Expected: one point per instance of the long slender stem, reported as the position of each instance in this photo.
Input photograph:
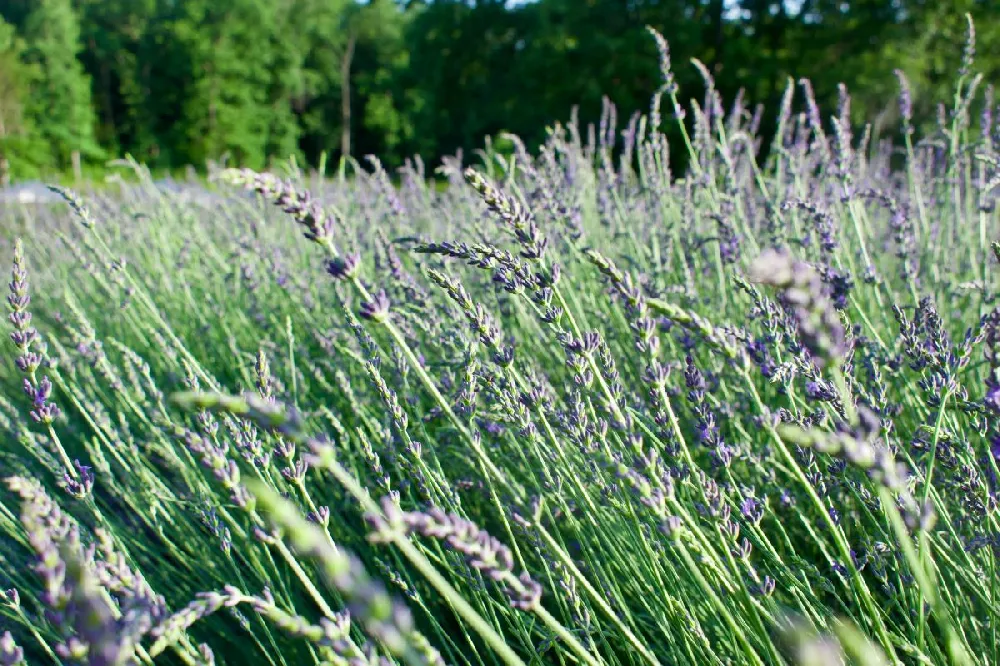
(421, 563)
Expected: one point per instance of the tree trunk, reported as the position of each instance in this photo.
(717, 10)
(345, 98)
(107, 95)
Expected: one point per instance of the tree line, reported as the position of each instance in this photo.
(179, 82)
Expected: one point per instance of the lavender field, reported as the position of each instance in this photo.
(574, 408)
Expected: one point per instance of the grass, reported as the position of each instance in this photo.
(571, 409)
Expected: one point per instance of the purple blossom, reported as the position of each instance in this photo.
(24, 337)
(83, 483)
(752, 509)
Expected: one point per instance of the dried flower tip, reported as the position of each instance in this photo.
(905, 100)
(969, 52)
(666, 71)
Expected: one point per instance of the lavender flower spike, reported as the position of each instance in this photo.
(300, 204)
(905, 101)
(481, 551)
(24, 338)
(89, 612)
(802, 291)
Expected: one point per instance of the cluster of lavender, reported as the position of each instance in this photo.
(101, 608)
(860, 446)
(680, 403)
(481, 551)
(77, 478)
(803, 293)
(11, 654)
(512, 213)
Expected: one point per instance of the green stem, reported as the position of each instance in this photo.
(843, 547)
(423, 565)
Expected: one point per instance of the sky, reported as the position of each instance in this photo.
(792, 5)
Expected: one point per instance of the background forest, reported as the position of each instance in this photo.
(178, 82)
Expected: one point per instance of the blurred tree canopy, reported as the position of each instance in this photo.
(179, 82)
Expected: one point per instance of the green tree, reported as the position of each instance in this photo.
(322, 38)
(585, 50)
(356, 96)
(15, 12)
(932, 48)
(21, 153)
(178, 82)
(465, 58)
(59, 104)
(385, 104)
(217, 81)
(111, 32)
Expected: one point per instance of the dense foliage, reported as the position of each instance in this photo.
(570, 409)
(178, 82)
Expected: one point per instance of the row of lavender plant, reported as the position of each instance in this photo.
(573, 408)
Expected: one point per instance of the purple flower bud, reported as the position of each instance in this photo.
(671, 526)
(12, 597)
(752, 509)
(23, 338)
(378, 308)
(766, 587)
(82, 484)
(344, 268)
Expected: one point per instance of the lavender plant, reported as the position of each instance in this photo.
(613, 414)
